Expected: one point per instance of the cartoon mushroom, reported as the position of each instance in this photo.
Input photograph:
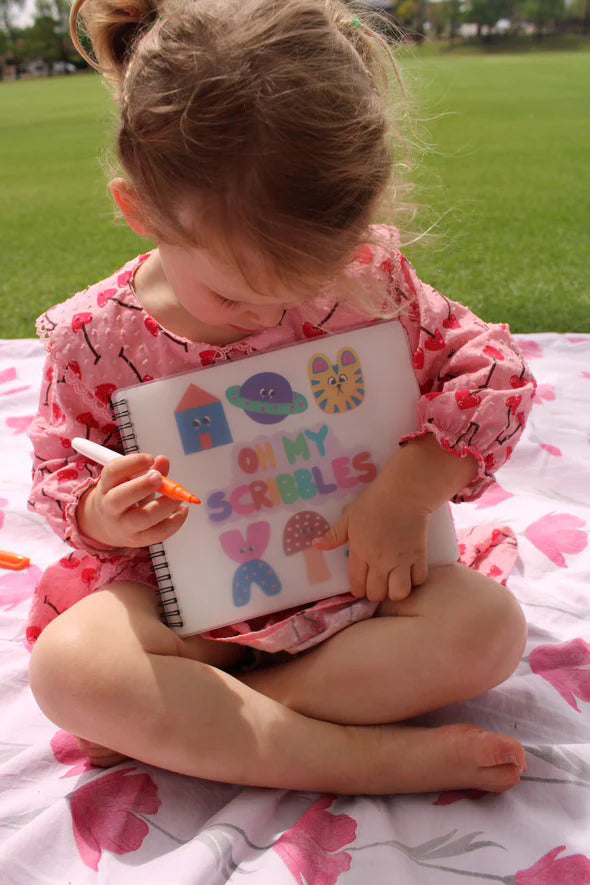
(300, 531)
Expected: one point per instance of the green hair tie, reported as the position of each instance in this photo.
(154, 22)
(356, 22)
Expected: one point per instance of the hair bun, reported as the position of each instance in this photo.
(112, 31)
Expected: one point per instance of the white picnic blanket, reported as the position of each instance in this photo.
(62, 822)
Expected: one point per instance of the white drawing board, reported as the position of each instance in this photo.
(275, 445)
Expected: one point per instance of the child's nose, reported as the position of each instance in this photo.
(265, 316)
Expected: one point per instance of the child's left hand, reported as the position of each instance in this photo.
(386, 525)
(386, 530)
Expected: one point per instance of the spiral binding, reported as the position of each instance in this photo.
(123, 421)
(168, 602)
(169, 608)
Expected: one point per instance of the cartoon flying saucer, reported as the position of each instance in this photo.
(266, 398)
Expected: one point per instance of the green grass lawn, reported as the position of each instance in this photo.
(511, 135)
(511, 165)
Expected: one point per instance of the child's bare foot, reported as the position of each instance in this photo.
(102, 757)
(451, 757)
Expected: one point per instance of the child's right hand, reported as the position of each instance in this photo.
(121, 510)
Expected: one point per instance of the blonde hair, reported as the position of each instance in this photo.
(271, 119)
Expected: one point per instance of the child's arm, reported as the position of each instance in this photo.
(475, 394)
(476, 388)
(60, 474)
(70, 491)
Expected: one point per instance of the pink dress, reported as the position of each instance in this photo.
(476, 392)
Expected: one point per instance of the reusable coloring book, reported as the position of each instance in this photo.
(275, 445)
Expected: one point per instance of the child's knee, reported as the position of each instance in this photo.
(75, 664)
(59, 667)
(494, 633)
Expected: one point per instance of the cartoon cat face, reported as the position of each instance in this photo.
(337, 387)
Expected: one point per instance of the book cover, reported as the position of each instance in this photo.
(276, 445)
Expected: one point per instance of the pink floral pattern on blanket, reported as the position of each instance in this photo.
(15, 587)
(19, 424)
(574, 869)
(556, 534)
(7, 376)
(106, 814)
(311, 849)
(566, 667)
(66, 750)
(552, 450)
(545, 393)
(530, 349)
(492, 496)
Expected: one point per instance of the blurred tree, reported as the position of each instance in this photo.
(405, 12)
(580, 10)
(488, 12)
(48, 37)
(438, 18)
(543, 13)
(10, 33)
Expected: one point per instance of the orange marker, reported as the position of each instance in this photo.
(13, 561)
(177, 492)
(103, 456)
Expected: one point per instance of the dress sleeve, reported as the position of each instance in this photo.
(475, 388)
(60, 474)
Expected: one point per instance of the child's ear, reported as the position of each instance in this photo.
(128, 202)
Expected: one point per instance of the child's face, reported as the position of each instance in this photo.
(212, 292)
(216, 294)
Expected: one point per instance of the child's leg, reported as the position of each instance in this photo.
(108, 670)
(453, 638)
(225, 656)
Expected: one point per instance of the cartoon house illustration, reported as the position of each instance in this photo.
(201, 421)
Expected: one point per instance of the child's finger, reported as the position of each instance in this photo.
(141, 519)
(419, 571)
(377, 585)
(399, 583)
(122, 469)
(334, 537)
(164, 529)
(127, 494)
(357, 575)
(162, 464)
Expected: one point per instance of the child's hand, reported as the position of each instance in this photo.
(386, 525)
(121, 510)
(386, 532)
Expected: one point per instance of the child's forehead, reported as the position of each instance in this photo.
(252, 280)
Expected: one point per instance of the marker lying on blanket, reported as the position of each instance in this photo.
(13, 561)
(104, 456)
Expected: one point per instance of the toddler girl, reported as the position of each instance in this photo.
(256, 148)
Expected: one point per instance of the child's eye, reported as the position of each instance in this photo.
(226, 302)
